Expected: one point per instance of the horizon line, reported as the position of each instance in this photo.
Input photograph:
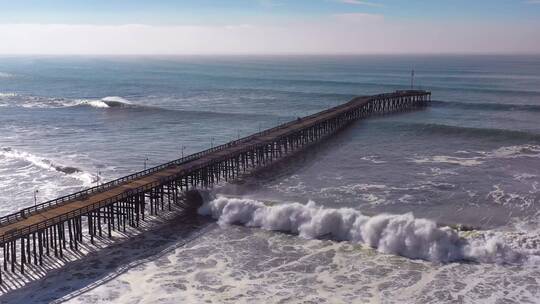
(495, 53)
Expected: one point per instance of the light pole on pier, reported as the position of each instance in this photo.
(412, 79)
(145, 160)
(35, 197)
(98, 177)
(212, 143)
(183, 148)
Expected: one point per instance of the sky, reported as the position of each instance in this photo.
(269, 26)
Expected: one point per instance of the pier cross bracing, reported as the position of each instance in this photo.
(58, 225)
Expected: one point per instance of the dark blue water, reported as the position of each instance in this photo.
(472, 157)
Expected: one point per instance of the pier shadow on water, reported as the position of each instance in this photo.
(58, 281)
(61, 279)
(289, 165)
(302, 159)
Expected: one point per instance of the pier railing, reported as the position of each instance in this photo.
(23, 213)
(57, 225)
(102, 187)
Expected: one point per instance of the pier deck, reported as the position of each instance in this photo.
(124, 201)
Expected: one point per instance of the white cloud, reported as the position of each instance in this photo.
(346, 33)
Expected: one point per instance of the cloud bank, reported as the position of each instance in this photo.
(339, 34)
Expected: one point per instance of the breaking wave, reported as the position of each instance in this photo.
(25, 101)
(487, 106)
(479, 157)
(402, 235)
(47, 164)
(7, 94)
(106, 102)
(437, 129)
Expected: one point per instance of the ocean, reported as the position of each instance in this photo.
(471, 159)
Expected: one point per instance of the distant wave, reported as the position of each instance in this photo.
(106, 102)
(28, 101)
(475, 158)
(266, 93)
(109, 102)
(7, 94)
(488, 106)
(48, 164)
(5, 75)
(472, 132)
(402, 235)
(462, 161)
(377, 85)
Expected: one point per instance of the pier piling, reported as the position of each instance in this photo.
(57, 226)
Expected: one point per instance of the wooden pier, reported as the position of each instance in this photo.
(58, 225)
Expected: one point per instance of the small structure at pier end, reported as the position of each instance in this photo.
(58, 225)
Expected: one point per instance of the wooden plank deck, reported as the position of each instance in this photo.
(156, 177)
(64, 210)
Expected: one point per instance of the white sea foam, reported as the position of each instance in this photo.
(362, 191)
(25, 101)
(524, 176)
(7, 94)
(33, 159)
(402, 235)
(106, 102)
(5, 75)
(89, 102)
(355, 188)
(86, 178)
(116, 99)
(515, 151)
(373, 159)
(499, 196)
(438, 171)
(507, 152)
(462, 161)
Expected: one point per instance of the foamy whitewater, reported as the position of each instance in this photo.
(106, 102)
(8, 154)
(439, 205)
(29, 101)
(394, 234)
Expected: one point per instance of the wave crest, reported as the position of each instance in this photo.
(106, 102)
(47, 164)
(472, 132)
(487, 106)
(479, 157)
(7, 94)
(25, 101)
(402, 235)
